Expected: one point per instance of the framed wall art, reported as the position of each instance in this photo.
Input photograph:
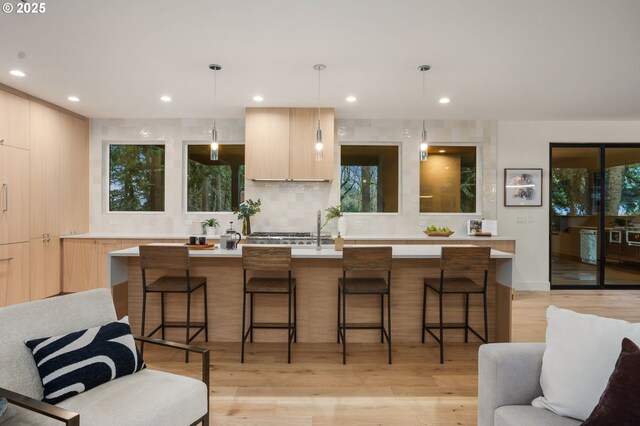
(523, 187)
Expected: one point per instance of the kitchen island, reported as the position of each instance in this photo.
(316, 273)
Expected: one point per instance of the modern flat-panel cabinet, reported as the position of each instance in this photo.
(267, 143)
(14, 195)
(46, 128)
(280, 144)
(79, 265)
(303, 164)
(45, 267)
(74, 176)
(14, 273)
(14, 120)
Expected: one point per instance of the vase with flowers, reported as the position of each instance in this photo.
(245, 211)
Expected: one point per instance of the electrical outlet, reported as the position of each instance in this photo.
(521, 219)
(422, 224)
(529, 219)
(359, 223)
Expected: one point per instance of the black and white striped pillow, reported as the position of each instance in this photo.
(79, 361)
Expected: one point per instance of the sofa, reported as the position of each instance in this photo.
(508, 380)
(148, 397)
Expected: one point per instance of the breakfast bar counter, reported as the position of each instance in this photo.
(316, 273)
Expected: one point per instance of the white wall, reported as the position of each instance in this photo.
(525, 144)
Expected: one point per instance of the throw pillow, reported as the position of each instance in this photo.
(619, 405)
(79, 361)
(579, 358)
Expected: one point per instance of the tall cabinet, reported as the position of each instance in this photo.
(14, 199)
(44, 192)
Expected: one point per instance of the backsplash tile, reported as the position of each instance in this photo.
(288, 206)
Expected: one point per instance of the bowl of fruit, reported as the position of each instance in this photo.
(435, 231)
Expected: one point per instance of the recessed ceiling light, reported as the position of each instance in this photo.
(73, 98)
(441, 151)
(165, 98)
(444, 100)
(17, 73)
(351, 99)
(258, 98)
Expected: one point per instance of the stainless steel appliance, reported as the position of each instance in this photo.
(589, 246)
(288, 238)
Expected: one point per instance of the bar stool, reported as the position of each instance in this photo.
(365, 259)
(269, 259)
(470, 265)
(174, 258)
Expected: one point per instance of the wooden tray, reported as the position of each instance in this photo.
(208, 246)
(482, 234)
(438, 234)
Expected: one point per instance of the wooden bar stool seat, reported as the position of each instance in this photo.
(364, 259)
(269, 285)
(454, 285)
(363, 286)
(169, 284)
(268, 259)
(172, 258)
(469, 267)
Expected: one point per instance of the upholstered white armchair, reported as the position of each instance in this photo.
(147, 397)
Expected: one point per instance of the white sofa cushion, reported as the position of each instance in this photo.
(580, 355)
(147, 398)
(47, 317)
(526, 415)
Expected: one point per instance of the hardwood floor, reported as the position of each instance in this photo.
(316, 389)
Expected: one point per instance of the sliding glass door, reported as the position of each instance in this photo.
(594, 215)
(622, 216)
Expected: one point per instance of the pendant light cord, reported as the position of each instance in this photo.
(319, 71)
(424, 98)
(215, 95)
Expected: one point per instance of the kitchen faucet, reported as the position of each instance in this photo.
(318, 246)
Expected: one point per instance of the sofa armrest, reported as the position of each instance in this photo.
(508, 374)
(67, 417)
(189, 348)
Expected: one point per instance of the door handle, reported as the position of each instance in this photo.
(1, 141)
(5, 186)
(6, 259)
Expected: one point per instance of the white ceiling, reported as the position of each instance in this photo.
(495, 59)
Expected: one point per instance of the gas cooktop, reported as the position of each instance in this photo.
(287, 238)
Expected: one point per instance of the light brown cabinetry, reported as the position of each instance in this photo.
(14, 120)
(303, 164)
(267, 143)
(14, 195)
(45, 267)
(74, 176)
(80, 265)
(46, 129)
(14, 273)
(280, 144)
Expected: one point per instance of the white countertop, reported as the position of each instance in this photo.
(416, 236)
(327, 252)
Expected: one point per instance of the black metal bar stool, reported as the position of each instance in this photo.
(365, 259)
(268, 259)
(172, 258)
(470, 267)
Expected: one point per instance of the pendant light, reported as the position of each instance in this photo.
(319, 144)
(423, 134)
(214, 131)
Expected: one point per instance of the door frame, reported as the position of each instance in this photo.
(601, 216)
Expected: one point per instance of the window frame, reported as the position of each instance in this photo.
(185, 173)
(479, 179)
(106, 176)
(377, 143)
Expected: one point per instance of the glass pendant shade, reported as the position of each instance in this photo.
(214, 144)
(319, 144)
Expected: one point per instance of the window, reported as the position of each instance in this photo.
(215, 186)
(448, 180)
(136, 178)
(369, 178)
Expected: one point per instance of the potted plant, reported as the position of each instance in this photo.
(210, 226)
(245, 211)
(335, 212)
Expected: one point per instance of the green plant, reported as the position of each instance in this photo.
(248, 208)
(333, 212)
(212, 222)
